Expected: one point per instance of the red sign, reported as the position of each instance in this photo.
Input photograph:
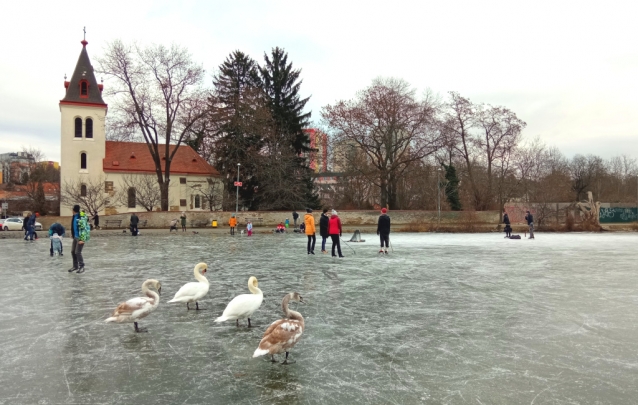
(238, 184)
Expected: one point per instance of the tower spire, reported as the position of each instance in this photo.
(84, 43)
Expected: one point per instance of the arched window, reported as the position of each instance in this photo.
(197, 201)
(78, 127)
(83, 190)
(82, 160)
(89, 128)
(131, 197)
(84, 89)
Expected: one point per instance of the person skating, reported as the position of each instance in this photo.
(530, 222)
(295, 216)
(25, 226)
(249, 228)
(31, 228)
(173, 225)
(96, 221)
(133, 224)
(309, 222)
(232, 222)
(80, 234)
(324, 220)
(335, 231)
(508, 228)
(383, 230)
(183, 221)
(56, 228)
(287, 223)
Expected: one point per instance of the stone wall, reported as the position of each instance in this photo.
(198, 219)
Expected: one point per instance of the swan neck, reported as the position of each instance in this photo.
(254, 290)
(200, 277)
(290, 314)
(151, 294)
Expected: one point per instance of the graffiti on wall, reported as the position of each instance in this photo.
(615, 215)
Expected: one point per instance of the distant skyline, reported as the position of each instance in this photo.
(567, 68)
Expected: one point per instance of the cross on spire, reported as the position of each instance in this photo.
(84, 33)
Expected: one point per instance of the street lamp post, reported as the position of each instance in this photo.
(438, 193)
(237, 197)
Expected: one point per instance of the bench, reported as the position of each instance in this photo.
(255, 221)
(199, 223)
(112, 223)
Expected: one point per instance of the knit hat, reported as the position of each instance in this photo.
(384, 210)
(308, 210)
(334, 212)
(76, 208)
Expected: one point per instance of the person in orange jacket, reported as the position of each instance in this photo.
(309, 221)
(233, 223)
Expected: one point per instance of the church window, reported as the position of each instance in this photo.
(182, 202)
(89, 128)
(83, 190)
(84, 89)
(108, 186)
(182, 180)
(131, 197)
(197, 202)
(82, 160)
(78, 127)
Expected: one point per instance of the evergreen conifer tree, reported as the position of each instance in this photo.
(281, 84)
(452, 187)
(238, 108)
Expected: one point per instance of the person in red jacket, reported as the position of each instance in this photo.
(334, 229)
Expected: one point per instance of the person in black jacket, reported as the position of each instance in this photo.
(323, 229)
(383, 230)
(295, 217)
(530, 222)
(508, 228)
(134, 221)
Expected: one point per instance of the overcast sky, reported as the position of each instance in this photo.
(568, 69)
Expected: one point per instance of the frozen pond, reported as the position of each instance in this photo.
(458, 319)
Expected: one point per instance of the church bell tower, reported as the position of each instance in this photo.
(82, 135)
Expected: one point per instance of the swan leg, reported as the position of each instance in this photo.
(249, 325)
(286, 360)
(237, 322)
(272, 358)
(187, 307)
(138, 330)
(197, 306)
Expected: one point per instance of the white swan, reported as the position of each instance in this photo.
(138, 308)
(283, 334)
(193, 292)
(243, 306)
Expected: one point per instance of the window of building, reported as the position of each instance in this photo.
(182, 180)
(78, 127)
(197, 202)
(89, 128)
(83, 190)
(182, 203)
(82, 160)
(131, 197)
(108, 186)
(84, 89)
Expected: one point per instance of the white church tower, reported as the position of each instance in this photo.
(83, 138)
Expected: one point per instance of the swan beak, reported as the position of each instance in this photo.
(159, 291)
(302, 301)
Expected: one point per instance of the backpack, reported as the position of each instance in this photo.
(84, 229)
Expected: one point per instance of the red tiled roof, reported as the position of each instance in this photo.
(135, 157)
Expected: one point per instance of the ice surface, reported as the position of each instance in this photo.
(455, 319)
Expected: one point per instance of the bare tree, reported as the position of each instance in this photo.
(157, 91)
(212, 192)
(88, 193)
(142, 188)
(391, 126)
